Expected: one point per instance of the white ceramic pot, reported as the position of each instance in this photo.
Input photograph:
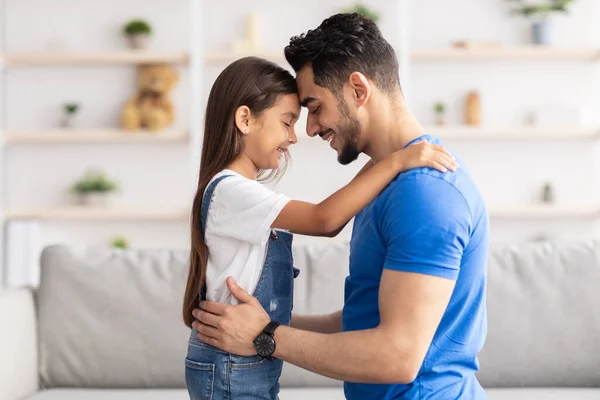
(138, 41)
(95, 199)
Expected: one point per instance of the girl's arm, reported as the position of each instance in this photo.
(330, 215)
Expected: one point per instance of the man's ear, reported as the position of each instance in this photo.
(242, 119)
(361, 88)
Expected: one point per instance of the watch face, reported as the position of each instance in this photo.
(264, 345)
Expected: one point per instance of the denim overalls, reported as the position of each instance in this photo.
(212, 374)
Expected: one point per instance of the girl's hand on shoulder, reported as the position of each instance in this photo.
(425, 154)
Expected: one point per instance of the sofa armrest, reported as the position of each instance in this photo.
(18, 345)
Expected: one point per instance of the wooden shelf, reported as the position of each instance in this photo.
(107, 214)
(543, 211)
(108, 57)
(227, 57)
(92, 136)
(513, 133)
(507, 54)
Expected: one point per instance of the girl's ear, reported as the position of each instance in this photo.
(242, 119)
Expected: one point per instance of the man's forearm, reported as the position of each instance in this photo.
(331, 323)
(367, 356)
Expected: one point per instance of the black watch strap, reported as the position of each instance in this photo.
(270, 328)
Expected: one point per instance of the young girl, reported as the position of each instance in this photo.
(251, 112)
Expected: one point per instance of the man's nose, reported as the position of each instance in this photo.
(312, 126)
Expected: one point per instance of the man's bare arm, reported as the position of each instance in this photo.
(411, 307)
(330, 323)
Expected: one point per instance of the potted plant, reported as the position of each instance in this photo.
(120, 243)
(70, 110)
(540, 12)
(364, 10)
(548, 193)
(94, 188)
(439, 109)
(138, 33)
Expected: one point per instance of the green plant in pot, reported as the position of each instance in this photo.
(364, 10)
(69, 112)
(540, 11)
(439, 109)
(137, 32)
(94, 188)
(120, 242)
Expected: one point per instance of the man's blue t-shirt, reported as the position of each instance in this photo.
(433, 223)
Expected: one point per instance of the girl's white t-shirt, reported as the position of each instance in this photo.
(237, 232)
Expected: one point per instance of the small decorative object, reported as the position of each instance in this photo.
(364, 10)
(440, 113)
(473, 109)
(138, 33)
(251, 44)
(151, 108)
(540, 29)
(94, 188)
(548, 193)
(120, 243)
(70, 110)
(475, 44)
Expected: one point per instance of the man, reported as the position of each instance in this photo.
(414, 316)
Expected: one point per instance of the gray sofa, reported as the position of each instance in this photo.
(105, 324)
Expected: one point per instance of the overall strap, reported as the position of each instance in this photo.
(206, 199)
(208, 194)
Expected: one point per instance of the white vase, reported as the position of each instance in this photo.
(95, 199)
(540, 32)
(138, 41)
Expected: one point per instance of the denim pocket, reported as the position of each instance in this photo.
(257, 380)
(240, 362)
(199, 378)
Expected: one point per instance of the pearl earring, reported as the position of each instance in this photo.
(246, 131)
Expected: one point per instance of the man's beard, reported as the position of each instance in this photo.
(350, 127)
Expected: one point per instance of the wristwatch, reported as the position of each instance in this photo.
(264, 344)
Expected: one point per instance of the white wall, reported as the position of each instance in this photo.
(513, 172)
(159, 175)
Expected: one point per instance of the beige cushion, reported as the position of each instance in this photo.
(543, 316)
(112, 318)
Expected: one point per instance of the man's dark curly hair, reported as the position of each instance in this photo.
(342, 44)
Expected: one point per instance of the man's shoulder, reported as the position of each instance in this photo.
(422, 184)
(423, 195)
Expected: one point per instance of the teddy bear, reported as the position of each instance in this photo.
(151, 108)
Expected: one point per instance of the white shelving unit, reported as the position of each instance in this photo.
(226, 57)
(94, 59)
(93, 136)
(90, 214)
(193, 59)
(514, 133)
(525, 53)
(542, 211)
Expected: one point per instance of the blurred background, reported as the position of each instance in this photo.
(101, 118)
(512, 89)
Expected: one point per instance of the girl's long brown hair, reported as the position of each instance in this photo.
(255, 83)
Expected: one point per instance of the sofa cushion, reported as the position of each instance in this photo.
(303, 394)
(108, 394)
(543, 316)
(543, 394)
(112, 319)
(180, 394)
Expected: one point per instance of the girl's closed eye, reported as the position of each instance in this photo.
(316, 110)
